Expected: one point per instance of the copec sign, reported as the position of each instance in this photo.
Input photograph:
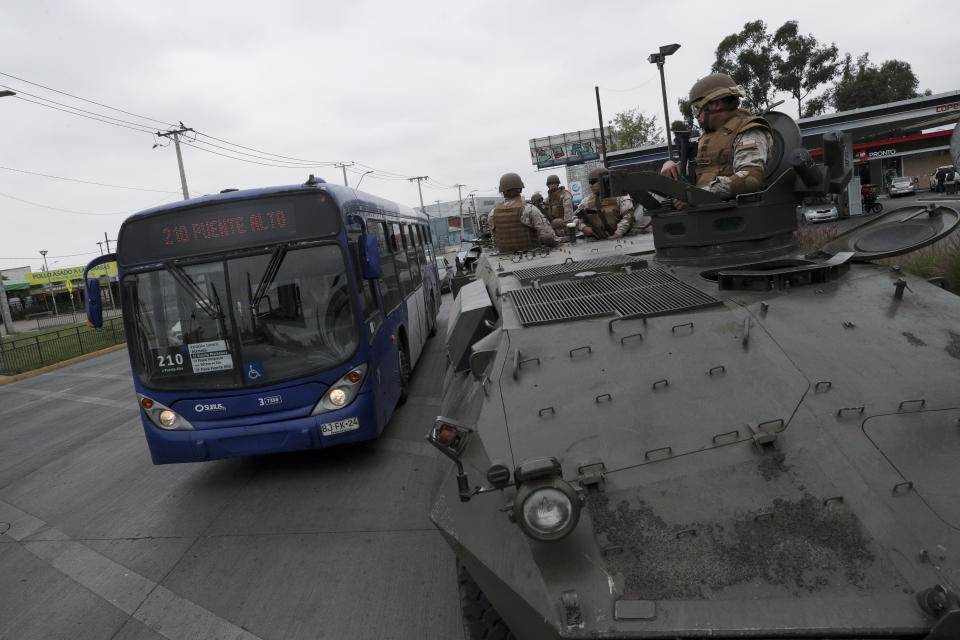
(69, 273)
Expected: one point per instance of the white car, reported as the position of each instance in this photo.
(902, 186)
(819, 209)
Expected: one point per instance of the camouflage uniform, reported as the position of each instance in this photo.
(530, 217)
(622, 209)
(727, 157)
(559, 205)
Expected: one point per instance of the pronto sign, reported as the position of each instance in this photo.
(69, 273)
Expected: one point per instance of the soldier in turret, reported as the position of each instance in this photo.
(559, 204)
(537, 200)
(612, 218)
(518, 225)
(732, 152)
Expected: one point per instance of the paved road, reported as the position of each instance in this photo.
(96, 542)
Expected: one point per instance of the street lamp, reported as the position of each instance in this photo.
(43, 252)
(658, 59)
(362, 177)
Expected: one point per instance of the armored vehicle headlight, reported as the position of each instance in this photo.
(343, 391)
(547, 511)
(163, 416)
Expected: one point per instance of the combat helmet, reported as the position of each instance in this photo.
(713, 87)
(554, 178)
(598, 173)
(510, 181)
(536, 198)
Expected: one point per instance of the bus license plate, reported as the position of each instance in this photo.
(340, 426)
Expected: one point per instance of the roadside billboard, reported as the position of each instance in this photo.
(567, 148)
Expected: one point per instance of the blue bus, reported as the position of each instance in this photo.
(271, 320)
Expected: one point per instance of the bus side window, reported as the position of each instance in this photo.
(403, 263)
(427, 246)
(371, 309)
(412, 255)
(417, 244)
(389, 281)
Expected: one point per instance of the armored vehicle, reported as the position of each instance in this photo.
(717, 436)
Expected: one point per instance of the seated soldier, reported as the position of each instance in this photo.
(517, 225)
(733, 150)
(612, 218)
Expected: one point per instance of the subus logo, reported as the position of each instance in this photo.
(200, 408)
(948, 107)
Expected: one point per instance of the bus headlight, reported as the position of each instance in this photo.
(343, 391)
(546, 507)
(162, 416)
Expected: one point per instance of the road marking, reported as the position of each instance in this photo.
(155, 606)
(50, 395)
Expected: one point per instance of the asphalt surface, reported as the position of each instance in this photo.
(98, 543)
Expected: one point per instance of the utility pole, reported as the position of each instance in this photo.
(100, 245)
(476, 216)
(420, 179)
(5, 308)
(4, 305)
(175, 134)
(344, 165)
(460, 198)
(113, 302)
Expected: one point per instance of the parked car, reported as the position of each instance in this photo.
(819, 209)
(933, 176)
(445, 274)
(902, 186)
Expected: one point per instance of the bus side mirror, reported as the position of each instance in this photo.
(370, 258)
(94, 304)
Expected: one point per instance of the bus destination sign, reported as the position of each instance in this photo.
(224, 226)
(211, 229)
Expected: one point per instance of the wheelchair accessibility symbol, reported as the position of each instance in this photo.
(253, 370)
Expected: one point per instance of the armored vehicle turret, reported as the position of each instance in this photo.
(714, 436)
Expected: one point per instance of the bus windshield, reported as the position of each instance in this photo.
(241, 321)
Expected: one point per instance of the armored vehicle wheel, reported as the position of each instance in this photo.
(480, 620)
(404, 373)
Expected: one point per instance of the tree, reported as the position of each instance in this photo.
(751, 59)
(632, 128)
(803, 65)
(864, 84)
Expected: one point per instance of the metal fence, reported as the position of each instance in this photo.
(44, 320)
(25, 354)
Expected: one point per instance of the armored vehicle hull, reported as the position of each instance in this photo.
(724, 438)
(747, 463)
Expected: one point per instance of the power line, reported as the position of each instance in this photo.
(64, 93)
(98, 184)
(82, 213)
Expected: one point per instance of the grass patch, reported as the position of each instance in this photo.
(939, 260)
(25, 352)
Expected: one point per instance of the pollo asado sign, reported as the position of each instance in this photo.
(196, 230)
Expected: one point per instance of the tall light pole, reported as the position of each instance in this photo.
(4, 304)
(658, 59)
(46, 270)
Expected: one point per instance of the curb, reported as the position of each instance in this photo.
(58, 365)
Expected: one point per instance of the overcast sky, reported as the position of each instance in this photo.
(451, 90)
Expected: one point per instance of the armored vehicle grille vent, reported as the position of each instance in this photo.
(642, 293)
(537, 273)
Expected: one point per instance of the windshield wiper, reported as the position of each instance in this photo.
(211, 308)
(269, 275)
